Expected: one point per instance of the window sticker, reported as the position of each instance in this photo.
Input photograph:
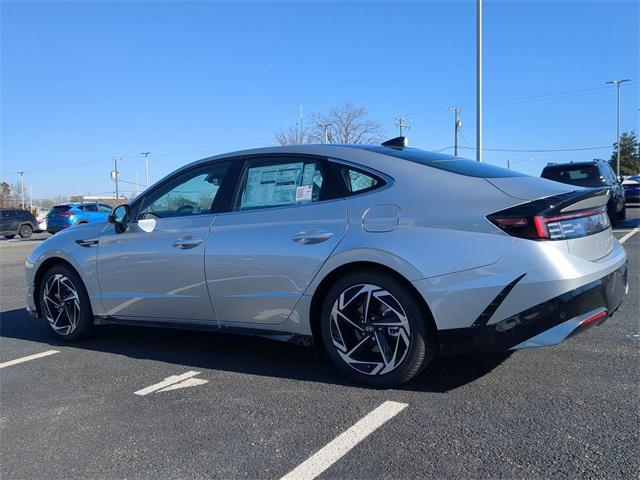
(308, 174)
(304, 193)
(272, 185)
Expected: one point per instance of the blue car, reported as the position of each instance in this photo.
(631, 187)
(69, 214)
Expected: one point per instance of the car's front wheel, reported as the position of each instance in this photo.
(64, 302)
(375, 330)
(25, 231)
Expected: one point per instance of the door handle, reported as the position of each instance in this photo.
(185, 243)
(308, 237)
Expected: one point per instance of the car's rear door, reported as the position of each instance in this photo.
(155, 269)
(284, 223)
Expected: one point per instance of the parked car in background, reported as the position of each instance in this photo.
(593, 174)
(631, 187)
(16, 221)
(385, 255)
(76, 213)
(42, 222)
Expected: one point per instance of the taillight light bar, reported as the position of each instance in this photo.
(551, 226)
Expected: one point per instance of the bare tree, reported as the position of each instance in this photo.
(292, 136)
(347, 123)
(5, 195)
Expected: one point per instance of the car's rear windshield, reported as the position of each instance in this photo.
(449, 163)
(579, 175)
(61, 208)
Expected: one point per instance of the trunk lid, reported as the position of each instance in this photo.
(572, 217)
(530, 188)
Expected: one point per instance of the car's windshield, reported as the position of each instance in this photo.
(581, 176)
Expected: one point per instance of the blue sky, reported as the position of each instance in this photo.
(84, 81)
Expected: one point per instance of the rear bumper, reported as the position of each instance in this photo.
(545, 324)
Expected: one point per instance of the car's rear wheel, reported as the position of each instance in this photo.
(375, 330)
(64, 302)
(25, 231)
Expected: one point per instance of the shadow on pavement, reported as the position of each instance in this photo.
(235, 353)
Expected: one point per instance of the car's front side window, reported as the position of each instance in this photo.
(192, 193)
(104, 208)
(279, 182)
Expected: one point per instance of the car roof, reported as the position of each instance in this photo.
(336, 150)
(590, 163)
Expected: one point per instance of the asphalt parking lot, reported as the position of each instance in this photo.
(252, 408)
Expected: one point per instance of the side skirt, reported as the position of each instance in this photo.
(287, 337)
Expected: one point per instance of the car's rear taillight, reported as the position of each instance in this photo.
(544, 219)
(66, 214)
(573, 225)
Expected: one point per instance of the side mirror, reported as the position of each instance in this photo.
(620, 179)
(120, 217)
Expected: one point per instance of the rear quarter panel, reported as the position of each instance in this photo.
(441, 226)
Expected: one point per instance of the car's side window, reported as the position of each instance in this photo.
(192, 193)
(277, 182)
(357, 181)
(610, 174)
(91, 207)
(104, 208)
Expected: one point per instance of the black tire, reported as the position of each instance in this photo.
(84, 318)
(622, 214)
(9, 237)
(422, 345)
(25, 231)
(613, 218)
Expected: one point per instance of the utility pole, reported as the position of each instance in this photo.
(401, 123)
(21, 189)
(617, 84)
(115, 175)
(31, 197)
(457, 126)
(146, 168)
(479, 81)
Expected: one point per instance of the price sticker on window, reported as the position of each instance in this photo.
(304, 193)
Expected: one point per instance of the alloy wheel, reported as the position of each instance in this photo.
(61, 304)
(370, 329)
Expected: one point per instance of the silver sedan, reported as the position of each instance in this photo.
(385, 256)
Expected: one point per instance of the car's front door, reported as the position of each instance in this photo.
(262, 255)
(157, 271)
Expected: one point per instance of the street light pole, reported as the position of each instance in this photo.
(617, 84)
(146, 168)
(325, 126)
(479, 81)
(21, 189)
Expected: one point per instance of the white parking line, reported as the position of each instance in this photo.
(169, 381)
(28, 358)
(629, 235)
(338, 447)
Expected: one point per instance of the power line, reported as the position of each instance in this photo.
(540, 150)
(512, 99)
